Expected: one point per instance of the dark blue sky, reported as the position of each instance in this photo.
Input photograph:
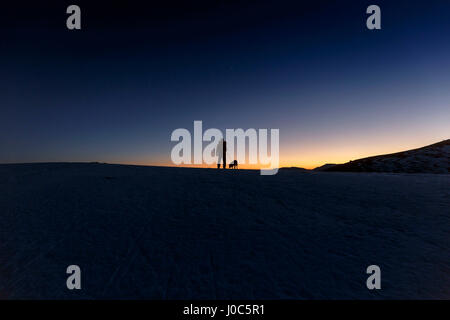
(115, 90)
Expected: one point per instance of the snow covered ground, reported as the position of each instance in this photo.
(179, 233)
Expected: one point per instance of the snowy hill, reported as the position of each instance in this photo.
(187, 233)
(434, 158)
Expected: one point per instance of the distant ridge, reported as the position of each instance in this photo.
(294, 169)
(325, 167)
(434, 158)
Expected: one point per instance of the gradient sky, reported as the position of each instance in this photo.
(115, 90)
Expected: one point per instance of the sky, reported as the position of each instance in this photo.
(116, 89)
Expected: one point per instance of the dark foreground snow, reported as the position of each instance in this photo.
(177, 233)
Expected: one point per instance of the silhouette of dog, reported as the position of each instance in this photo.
(233, 165)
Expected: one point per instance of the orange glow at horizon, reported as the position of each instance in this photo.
(316, 154)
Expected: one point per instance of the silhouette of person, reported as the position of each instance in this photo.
(224, 154)
(221, 152)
